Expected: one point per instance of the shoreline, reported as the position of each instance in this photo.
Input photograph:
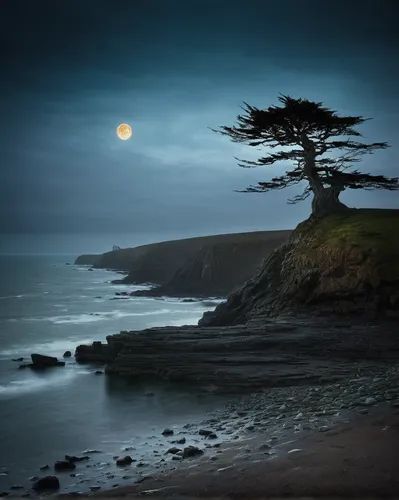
(357, 460)
(253, 431)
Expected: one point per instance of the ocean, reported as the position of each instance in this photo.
(48, 307)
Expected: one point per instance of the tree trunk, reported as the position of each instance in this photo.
(326, 201)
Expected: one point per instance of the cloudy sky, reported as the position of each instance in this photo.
(72, 70)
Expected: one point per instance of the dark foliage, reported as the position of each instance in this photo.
(322, 146)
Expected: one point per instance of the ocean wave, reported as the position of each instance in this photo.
(93, 317)
(117, 314)
(51, 348)
(32, 384)
(5, 297)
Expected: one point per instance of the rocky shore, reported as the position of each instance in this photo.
(261, 354)
(252, 431)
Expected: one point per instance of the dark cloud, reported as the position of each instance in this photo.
(73, 70)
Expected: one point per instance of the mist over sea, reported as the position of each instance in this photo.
(49, 307)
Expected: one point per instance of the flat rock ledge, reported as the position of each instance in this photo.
(248, 357)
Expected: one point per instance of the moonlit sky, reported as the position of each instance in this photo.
(72, 71)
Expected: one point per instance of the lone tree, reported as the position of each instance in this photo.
(307, 131)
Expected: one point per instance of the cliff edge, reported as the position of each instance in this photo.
(343, 264)
(159, 262)
(87, 260)
(218, 268)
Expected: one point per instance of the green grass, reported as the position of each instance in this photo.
(371, 231)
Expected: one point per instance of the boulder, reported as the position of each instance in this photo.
(205, 432)
(64, 465)
(121, 461)
(173, 450)
(67, 354)
(40, 362)
(46, 483)
(191, 451)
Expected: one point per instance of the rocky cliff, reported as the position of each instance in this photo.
(344, 264)
(158, 262)
(218, 268)
(87, 260)
(247, 358)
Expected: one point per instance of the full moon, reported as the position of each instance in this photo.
(124, 131)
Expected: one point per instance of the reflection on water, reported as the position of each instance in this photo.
(93, 412)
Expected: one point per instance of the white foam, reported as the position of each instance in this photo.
(5, 297)
(17, 387)
(56, 347)
(88, 318)
(76, 319)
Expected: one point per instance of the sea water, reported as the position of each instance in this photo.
(49, 307)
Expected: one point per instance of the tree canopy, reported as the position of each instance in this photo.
(310, 136)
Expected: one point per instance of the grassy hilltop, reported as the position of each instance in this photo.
(345, 263)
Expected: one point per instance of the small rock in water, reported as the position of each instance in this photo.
(98, 372)
(16, 487)
(18, 360)
(72, 458)
(127, 460)
(95, 488)
(191, 451)
(212, 436)
(4, 494)
(63, 465)
(67, 354)
(44, 467)
(179, 441)
(204, 432)
(173, 450)
(46, 483)
(167, 432)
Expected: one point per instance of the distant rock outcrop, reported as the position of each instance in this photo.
(217, 269)
(344, 264)
(87, 260)
(157, 263)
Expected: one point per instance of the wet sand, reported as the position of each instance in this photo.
(359, 459)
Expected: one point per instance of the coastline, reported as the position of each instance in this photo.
(358, 460)
(254, 431)
(282, 451)
(257, 434)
